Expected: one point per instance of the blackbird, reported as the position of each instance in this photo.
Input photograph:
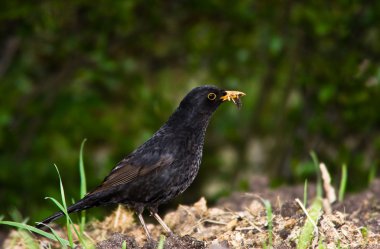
(165, 165)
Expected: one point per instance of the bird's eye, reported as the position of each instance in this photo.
(211, 96)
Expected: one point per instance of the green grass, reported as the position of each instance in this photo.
(364, 232)
(310, 227)
(321, 244)
(71, 229)
(305, 193)
(64, 243)
(83, 185)
(318, 173)
(268, 209)
(343, 183)
(63, 208)
(53, 235)
(161, 242)
(124, 245)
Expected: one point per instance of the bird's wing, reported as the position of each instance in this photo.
(128, 170)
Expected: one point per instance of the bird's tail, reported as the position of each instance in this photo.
(82, 204)
(49, 219)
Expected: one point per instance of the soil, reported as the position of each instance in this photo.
(241, 221)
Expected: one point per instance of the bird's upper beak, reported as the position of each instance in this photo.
(233, 96)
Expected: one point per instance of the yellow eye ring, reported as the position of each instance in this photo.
(211, 96)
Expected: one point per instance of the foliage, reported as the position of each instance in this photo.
(23, 227)
(113, 71)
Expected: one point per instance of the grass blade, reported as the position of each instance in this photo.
(35, 230)
(321, 244)
(83, 185)
(268, 209)
(124, 245)
(59, 205)
(310, 226)
(64, 208)
(29, 241)
(61, 241)
(305, 193)
(161, 243)
(71, 223)
(343, 183)
(319, 179)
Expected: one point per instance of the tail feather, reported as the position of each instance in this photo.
(49, 219)
(82, 204)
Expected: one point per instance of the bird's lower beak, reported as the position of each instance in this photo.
(233, 96)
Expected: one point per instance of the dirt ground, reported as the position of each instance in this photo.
(240, 221)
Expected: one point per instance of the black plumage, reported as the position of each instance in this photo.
(165, 165)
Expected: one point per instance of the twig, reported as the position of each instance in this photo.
(214, 222)
(307, 215)
(247, 228)
(329, 190)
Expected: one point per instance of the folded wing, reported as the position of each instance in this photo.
(128, 170)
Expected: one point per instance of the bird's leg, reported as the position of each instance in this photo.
(144, 226)
(162, 223)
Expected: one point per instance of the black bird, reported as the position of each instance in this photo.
(165, 165)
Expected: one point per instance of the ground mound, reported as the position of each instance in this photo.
(241, 221)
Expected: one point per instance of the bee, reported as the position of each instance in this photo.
(233, 96)
(238, 103)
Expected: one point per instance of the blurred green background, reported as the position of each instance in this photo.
(113, 71)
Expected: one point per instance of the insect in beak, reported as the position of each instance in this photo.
(233, 96)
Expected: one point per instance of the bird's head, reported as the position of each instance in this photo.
(206, 99)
